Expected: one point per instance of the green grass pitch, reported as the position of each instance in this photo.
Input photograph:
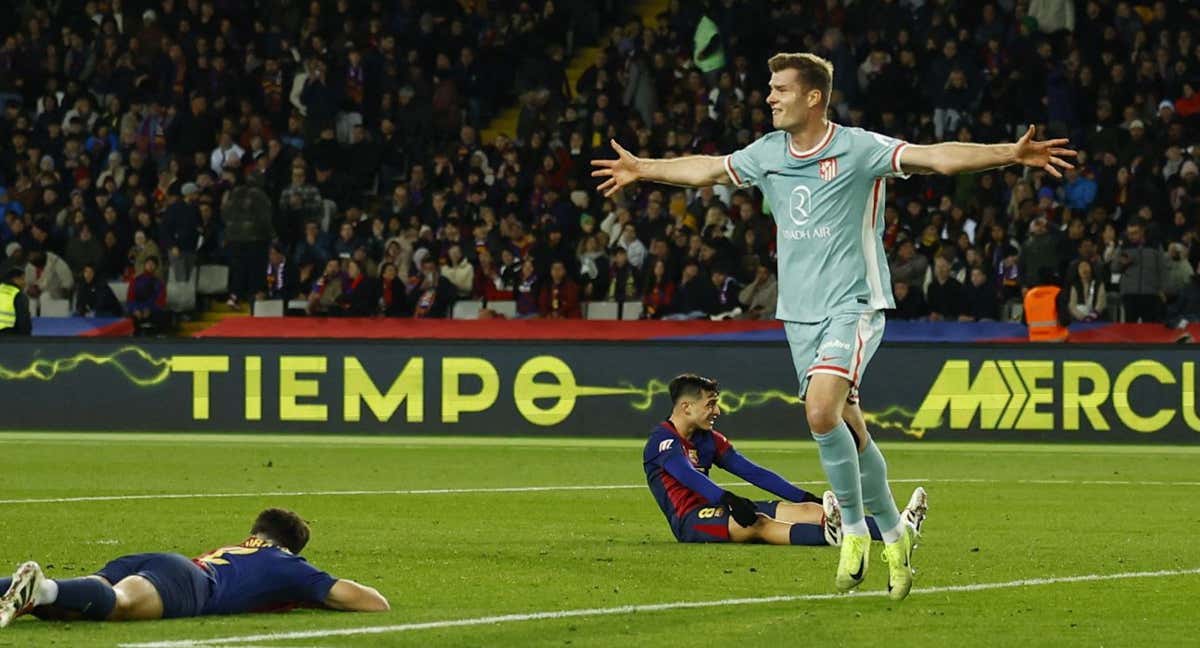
(998, 514)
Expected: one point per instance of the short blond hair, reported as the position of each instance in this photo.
(815, 73)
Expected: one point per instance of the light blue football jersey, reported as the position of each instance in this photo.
(828, 208)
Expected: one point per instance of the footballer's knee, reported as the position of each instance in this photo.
(822, 417)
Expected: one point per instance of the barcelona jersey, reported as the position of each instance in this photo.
(258, 576)
(704, 449)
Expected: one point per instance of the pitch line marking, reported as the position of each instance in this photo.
(547, 489)
(652, 607)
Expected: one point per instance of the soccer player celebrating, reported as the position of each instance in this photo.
(262, 574)
(682, 450)
(825, 186)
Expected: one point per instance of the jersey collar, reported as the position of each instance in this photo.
(803, 155)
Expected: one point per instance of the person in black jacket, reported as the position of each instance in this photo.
(93, 298)
(695, 297)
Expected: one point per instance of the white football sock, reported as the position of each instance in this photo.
(47, 594)
(856, 528)
(892, 535)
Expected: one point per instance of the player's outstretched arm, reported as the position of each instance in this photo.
(689, 171)
(348, 596)
(949, 158)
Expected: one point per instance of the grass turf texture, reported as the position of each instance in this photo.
(454, 556)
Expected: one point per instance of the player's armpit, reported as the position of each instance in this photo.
(349, 596)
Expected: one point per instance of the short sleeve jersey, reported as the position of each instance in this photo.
(828, 208)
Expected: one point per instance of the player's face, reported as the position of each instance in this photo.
(788, 109)
(705, 410)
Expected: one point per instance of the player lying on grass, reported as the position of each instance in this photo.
(264, 573)
(682, 450)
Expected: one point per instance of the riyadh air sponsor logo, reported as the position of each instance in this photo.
(799, 208)
(799, 205)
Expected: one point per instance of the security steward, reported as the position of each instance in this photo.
(14, 305)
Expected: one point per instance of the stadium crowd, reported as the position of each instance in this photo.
(330, 152)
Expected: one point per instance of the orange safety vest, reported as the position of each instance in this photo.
(1041, 312)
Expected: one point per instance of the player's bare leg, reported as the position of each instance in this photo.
(804, 513)
(825, 404)
(137, 600)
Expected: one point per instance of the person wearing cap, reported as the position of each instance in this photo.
(181, 231)
(248, 229)
(14, 304)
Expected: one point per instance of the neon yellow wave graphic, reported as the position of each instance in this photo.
(126, 360)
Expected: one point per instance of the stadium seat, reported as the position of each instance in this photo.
(181, 294)
(212, 280)
(268, 308)
(609, 310)
(53, 307)
(466, 309)
(505, 308)
(120, 289)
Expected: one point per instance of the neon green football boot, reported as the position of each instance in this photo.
(898, 555)
(852, 566)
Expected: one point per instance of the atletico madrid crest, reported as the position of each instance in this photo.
(827, 169)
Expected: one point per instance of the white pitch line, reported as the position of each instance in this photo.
(653, 607)
(548, 489)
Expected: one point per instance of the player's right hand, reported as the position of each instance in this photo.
(620, 172)
(743, 511)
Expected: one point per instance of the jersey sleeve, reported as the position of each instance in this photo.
(667, 453)
(745, 166)
(310, 584)
(882, 154)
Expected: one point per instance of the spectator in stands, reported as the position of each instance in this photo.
(248, 230)
(84, 250)
(527, 289)
(695, 297)
(658, 293)
(1178, 272)
(910, 303)
(1186, 309)
(908, 266)
(1142, 268)
(391, 294)
(458, 271)
(282, 277)
(727, 289)
(632, 246)
(314, 246)
(559, 295)
(326, 289)
(759, 297)
(1039, 253)
(623, 278)
(146, 302)
(1088, 297)
(979, 298)
(357, 298)
(944, 294)
(181, 231)
(433, 294)
(47, 275)
(593, 267)
(93, 297)
(14, 304)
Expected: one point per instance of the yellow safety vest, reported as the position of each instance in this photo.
(8, 305)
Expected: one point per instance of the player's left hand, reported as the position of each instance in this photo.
(742, 510)
(1047, 155)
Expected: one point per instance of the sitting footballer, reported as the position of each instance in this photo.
(682, 450)
(264, 573)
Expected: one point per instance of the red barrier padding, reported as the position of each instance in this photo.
(495, 329)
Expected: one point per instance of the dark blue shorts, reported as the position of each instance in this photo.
(183, 586)
(711, 523)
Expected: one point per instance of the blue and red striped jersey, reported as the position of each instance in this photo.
(703, 450)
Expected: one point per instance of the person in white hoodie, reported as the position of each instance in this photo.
(459, 271)
(46, 274)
